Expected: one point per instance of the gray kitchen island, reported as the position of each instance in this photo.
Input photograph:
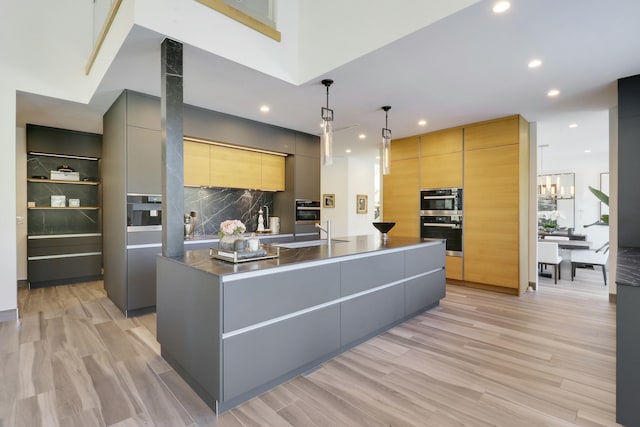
(233, 331)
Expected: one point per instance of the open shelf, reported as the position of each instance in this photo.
(59, 181)
(65, 207)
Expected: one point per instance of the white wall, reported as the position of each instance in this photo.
(347, 178)
(361, 181)
(21, 202)
(334, 180)
(8, 269)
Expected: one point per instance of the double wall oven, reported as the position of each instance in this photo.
(441, 217)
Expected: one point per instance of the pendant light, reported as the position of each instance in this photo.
(327, 129)
(386, 142)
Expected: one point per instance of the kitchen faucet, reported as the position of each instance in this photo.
(326, 230)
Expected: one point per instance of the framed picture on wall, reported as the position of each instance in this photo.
(328, 200)
(361, 203)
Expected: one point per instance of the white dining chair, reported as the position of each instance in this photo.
(590, 258)
(548, 254)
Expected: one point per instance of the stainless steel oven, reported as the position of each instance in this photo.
(447, 227)
(144, 212)
(445, 201)
(307, 211)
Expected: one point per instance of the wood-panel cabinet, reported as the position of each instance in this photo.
(207, 165)
(234, 168)
(196, 164)
(405, 148)
(441, 159)
(272, 172)
(401, 197)
(454, 268)
(491, 220)
(493, 133)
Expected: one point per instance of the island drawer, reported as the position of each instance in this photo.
(366, 273)
(254, 300)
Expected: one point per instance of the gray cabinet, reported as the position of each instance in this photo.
(144, 156)
(259, 357)
(423, 292)
(141, 278)
(370, 313)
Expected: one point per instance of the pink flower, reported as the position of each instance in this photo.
(232, 226)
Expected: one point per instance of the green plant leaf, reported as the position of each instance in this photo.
(600, 195)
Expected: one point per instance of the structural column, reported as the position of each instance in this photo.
(172, 111)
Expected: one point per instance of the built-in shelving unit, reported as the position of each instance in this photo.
(64, 243)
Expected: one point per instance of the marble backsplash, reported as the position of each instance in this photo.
(214, 205)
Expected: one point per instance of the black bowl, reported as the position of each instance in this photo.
(383, 227)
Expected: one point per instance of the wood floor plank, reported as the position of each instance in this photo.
(478, 359)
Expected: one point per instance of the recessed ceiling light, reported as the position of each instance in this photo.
(534, 63)
(264, 108)
(422, 123)
(573, 125)
(587, 151)
(362, 136)
(553, 92)
(321, 125)
(348, 150)
(501, 6)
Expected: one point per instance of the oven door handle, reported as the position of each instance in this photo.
(431, 224)
(438, 197)
(307, 208)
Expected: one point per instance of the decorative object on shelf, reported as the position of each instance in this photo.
(74, 203)
(328, 200)
(260, 221)
(253, 243)
(384, 228)
(385, 155)
(362, 203)
(327, 129)
(58, 201)
(230, 231)
(31, 204)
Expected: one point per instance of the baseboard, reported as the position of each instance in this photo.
(8, 315)
(613, 298)
(494, 288)
(23, 283)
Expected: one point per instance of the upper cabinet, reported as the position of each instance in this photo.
(208, 165)
(401, 187)
(441, 159)
(196, 164)
(405, 148)
(272, 172)
(494, 133)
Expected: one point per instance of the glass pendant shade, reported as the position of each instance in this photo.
(386, 152)
(327, 143)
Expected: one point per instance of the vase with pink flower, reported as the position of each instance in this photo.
(230, 231)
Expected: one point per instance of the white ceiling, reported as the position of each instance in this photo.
(468, 67)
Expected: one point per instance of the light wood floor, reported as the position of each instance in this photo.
(479, 359)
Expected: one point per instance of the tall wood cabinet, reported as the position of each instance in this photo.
(492, 183)
(401, 187)
(489, 160)
(441, 159)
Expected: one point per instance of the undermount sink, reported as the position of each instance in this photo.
(307, 243)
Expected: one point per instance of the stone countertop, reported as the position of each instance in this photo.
(354, 245)
(204, 238)
(628, 269)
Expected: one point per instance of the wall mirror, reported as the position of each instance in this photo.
(556, 201)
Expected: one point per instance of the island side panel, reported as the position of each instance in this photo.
(189, 322)
(424, 292)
